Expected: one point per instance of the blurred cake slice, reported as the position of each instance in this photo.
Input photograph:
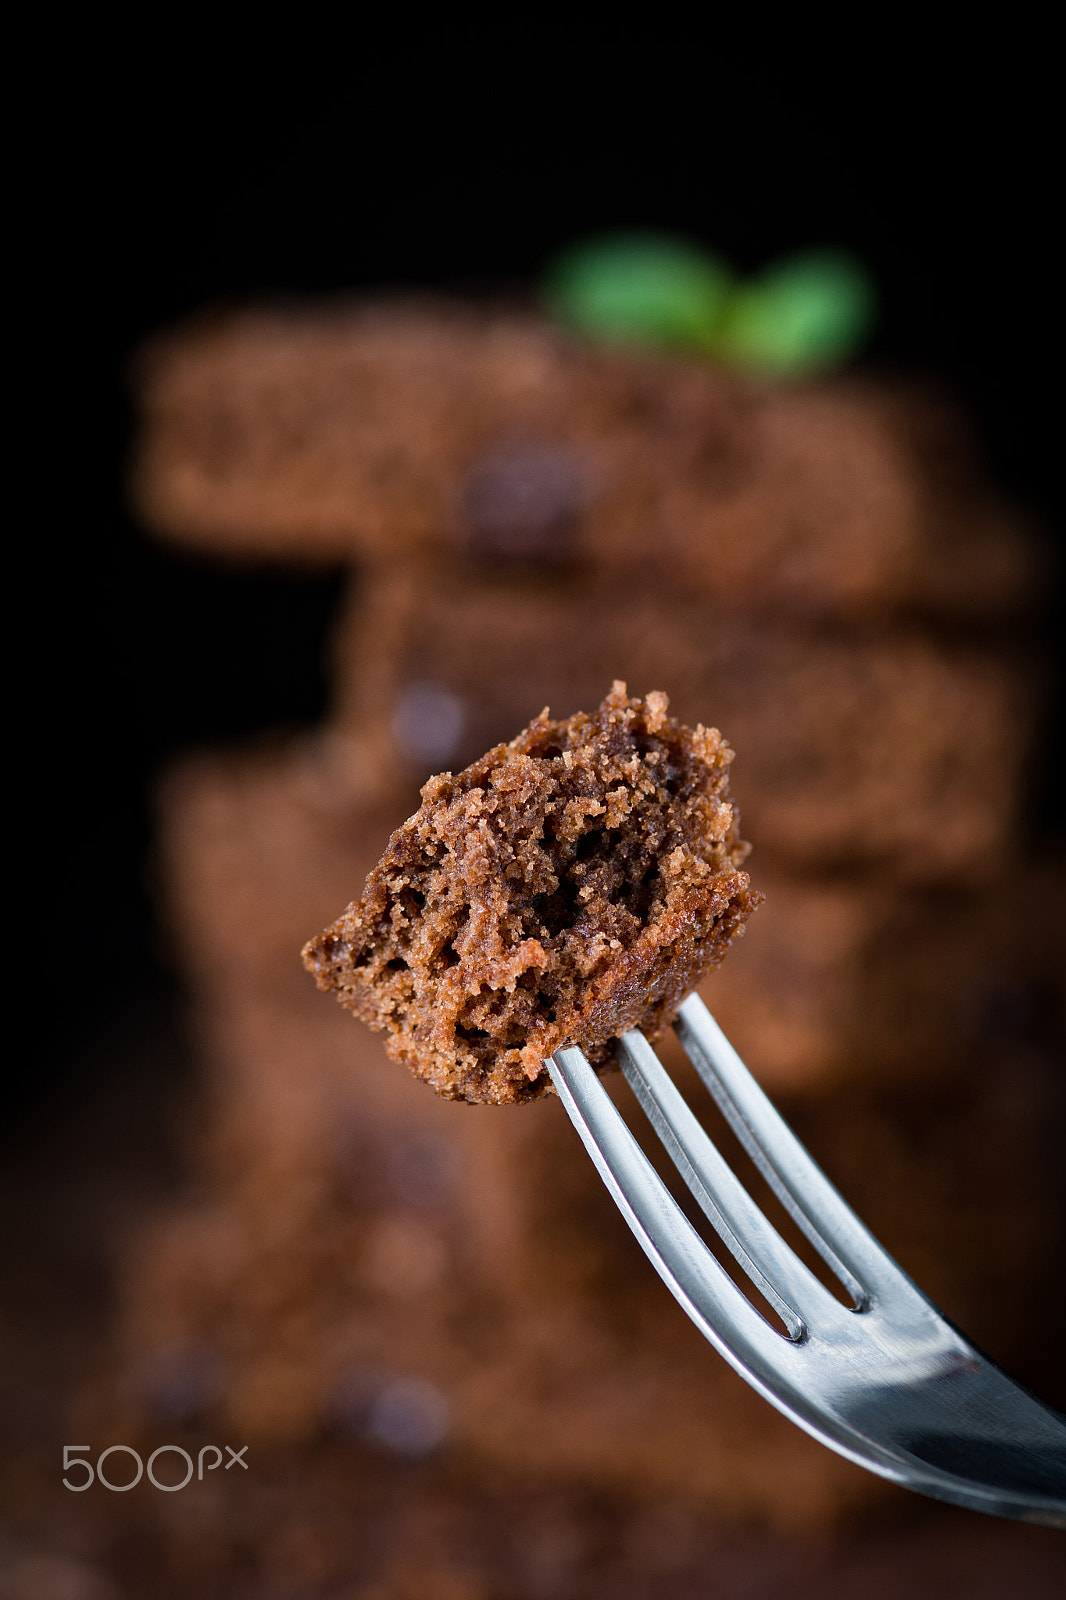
(887, 748)
(375, 431)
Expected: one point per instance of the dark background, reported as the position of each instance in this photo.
(153, 173)
(213, 170)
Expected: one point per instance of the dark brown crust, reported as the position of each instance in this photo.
(569, 885)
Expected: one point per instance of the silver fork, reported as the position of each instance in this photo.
(887, 1382)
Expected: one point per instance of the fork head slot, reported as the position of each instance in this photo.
(769, 1261)
(846, 1246)
(720, 1309)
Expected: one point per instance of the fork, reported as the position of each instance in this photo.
(888, 1382)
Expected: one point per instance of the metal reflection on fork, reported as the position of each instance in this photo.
(887, 1382)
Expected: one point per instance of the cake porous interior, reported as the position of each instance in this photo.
(571, 884)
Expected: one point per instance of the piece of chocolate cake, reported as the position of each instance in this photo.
(837, 980)
(890, 747)
(569, 885)
(375, 431)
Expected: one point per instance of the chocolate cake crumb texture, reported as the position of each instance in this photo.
(571, 884)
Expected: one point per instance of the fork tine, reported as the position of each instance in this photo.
(799, 1183)
(767, 1259)
(719, 1309)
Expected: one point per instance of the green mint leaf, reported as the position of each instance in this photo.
(802, 315)
(643, 288)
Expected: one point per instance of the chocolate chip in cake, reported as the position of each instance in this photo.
(427, 723)
(522, 502)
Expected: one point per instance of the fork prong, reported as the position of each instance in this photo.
(799, 1183)
(772, 1265)
(706, 1291)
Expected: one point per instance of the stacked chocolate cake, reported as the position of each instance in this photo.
(818, 570)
